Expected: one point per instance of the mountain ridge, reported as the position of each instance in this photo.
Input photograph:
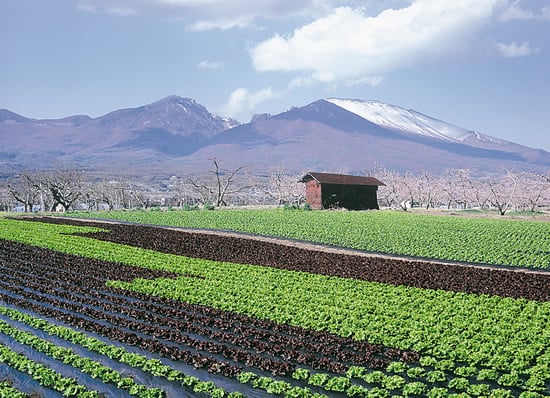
(175, 134)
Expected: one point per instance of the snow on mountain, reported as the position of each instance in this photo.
(403, 120)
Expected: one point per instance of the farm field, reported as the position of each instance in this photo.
(477, 240)
(125, 310)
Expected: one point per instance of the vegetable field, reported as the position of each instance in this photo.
(96, 309)
(489, 241)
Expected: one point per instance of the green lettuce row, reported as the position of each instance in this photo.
(394, 378)
(441, 324)
(86, 365)
(45, 376)
(380, 386)
(154, 367)
(8, 391)
(505, 242)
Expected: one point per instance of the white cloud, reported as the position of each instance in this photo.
(208, 14)
(350, 46)
(513, 50)
(242, 101)
(517, 12)
(210, 65)
(299, 82)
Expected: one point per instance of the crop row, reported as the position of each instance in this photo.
(86, 365)
(62, 280)
(377, 384)
(467, 279)
(358, 382)
(52, 289)
(152, 366)
(461, 327)
(47, 377)
(489, 241)
(7, 390)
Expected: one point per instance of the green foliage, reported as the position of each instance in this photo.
(356, 372)
(338, 384)
(509, 334)
(438, 392)
(429, 321)
(416, 372)
(530, 394)
(153, 366)
(45, 376)
(208, 206)
(465, 371)
(414, 389)
(318, 379)
(426, 360)
(446, 364)
(491, 241)
(396, 367)
(357, 391)
(487, 374)
(500, 393)
(509, 379)
(459, 383)
(375, 377)
(7, 390)
(393, 382)
(377, 392)
(301, 374)
(478, 390)
(436, 376)
(247, 377)
(94, 368)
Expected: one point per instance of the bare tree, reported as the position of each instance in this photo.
(457, 188)
(285, 188)
(463, 185)
(111, 193)
(535, 190)
(503, 191)
(6, 199)
(389, 193)
(409, 191)
(65, 185)
(180, 189)
(26, 189)
(222, 183)
(99, 195)
(425, 185)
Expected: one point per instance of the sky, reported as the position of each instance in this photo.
(479, 64)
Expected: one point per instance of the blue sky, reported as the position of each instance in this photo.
(479, 64)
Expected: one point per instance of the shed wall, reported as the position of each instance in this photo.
(313, 194)
(352, 197)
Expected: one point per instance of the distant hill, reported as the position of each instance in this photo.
(177, 135)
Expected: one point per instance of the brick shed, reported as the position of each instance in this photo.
(325, 191)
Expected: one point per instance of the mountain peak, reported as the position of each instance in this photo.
(174, 99)
(403, 120)
(9, 117)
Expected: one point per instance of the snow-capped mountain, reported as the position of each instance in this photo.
(178, 135)
(409, 121)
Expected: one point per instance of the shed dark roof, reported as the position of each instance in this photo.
(340, 179)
